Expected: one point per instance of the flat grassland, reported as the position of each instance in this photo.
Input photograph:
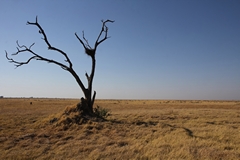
(136, 129)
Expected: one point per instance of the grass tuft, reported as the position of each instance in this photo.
(101, 112)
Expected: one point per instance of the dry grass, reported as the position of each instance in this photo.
(136, 129)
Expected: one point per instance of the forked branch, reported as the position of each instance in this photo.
(88, 49)
(50, 47)
(23, 48)
(105, 30)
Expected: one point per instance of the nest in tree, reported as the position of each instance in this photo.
(90, 52)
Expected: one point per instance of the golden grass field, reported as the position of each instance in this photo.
(136, 129)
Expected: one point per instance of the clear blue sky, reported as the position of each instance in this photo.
(159, 49)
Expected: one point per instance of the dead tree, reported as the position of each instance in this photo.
(88, 101)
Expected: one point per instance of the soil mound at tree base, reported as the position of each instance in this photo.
(73, 115)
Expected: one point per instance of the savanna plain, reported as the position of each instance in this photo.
(135, 129)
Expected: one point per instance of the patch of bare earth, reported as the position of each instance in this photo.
(135, 129)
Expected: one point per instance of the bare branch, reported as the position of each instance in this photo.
(35, 56)
(31, 46)
(23, 48)
(88, 78)
(41, 31)
(80, 40)
(93, 98)
(104, 29)
(88, 46)
(88, 49)
(36, 20)
(18, 64)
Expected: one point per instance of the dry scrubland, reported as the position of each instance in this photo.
(136, 129)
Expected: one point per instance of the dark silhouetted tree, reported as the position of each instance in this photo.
(88, 101)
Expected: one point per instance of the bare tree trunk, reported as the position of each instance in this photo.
(88, 95)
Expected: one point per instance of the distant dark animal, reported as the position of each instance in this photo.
(31, 103)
